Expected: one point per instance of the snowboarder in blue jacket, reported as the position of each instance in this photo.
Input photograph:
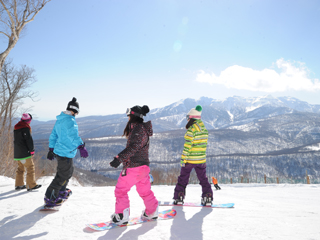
(63, 144)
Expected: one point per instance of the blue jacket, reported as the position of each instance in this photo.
(64, 138)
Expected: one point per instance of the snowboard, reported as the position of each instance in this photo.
(55, 208)
(188, 204)
(51, 209)
(163, 215)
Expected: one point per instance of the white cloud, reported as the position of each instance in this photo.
(288, 77)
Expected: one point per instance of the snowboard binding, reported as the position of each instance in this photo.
(178, 201)
(207, 200)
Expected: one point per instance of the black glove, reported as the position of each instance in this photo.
(115, 163)
(217, 186)
(50, 155)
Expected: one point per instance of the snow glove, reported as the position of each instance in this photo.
(217, 186)
(115, 163)
(50, 155)
(83, 151)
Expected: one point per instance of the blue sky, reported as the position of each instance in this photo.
(114, 54)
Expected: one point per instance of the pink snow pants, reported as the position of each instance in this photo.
(138, 176)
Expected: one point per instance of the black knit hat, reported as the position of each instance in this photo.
(73, 105)
(138, 111)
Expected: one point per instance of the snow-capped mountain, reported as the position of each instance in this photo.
(216, 114)
(247, 137)
(233, 110)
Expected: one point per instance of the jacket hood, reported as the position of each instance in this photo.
(148, 127)
(20, 125)
(64, 115)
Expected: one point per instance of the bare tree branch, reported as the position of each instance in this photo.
(5, 34)
(14, 82)
(14, 88)
(14, 15)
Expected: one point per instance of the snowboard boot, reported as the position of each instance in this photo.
(65, 194)
(121, 218)
(206, 200)
(154, 215)
(178, 201)
(53, 202)
(20, 187)
(34, 188)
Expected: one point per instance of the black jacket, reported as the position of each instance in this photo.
(136, 152)
(23, 142)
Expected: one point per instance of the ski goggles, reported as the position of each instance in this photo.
(129, 111)
(75, 108)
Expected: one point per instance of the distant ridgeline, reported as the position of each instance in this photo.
(248, 138)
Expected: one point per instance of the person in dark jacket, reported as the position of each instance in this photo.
(23, 154)
(64, 141)
(135, 171)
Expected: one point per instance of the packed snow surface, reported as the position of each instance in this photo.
(262, 211)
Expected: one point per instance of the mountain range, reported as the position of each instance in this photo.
(217, 114)
(248, 137)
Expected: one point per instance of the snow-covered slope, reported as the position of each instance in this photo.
(261, 212)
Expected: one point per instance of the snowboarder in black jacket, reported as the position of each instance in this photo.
(23, 153)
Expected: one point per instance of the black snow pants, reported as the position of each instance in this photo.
(60, 181)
